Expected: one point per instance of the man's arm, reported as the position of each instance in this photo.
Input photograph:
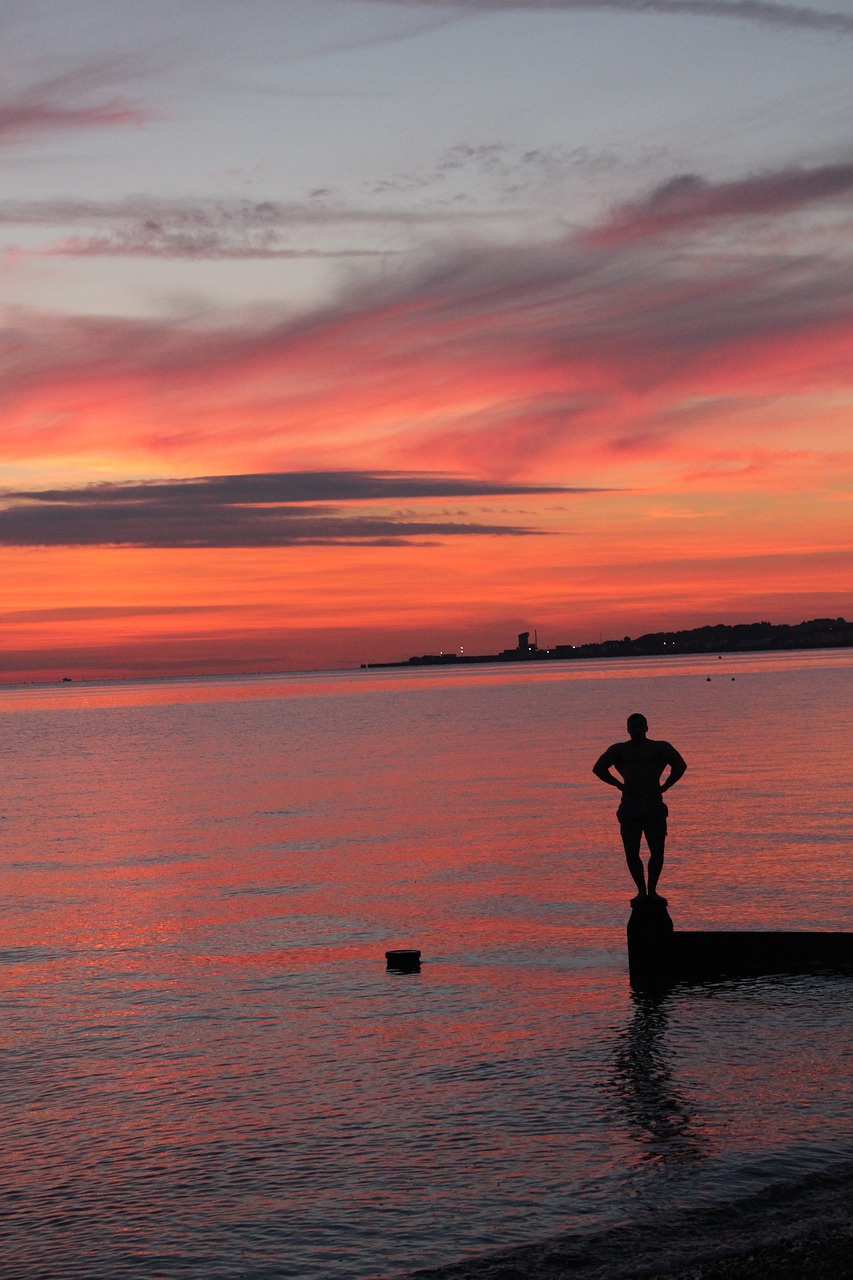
(602, 767)
(677, 766)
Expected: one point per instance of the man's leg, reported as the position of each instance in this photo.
(655, 840)
(631, 839)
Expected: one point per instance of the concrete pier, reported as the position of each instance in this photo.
(660, 955)
(651, 945)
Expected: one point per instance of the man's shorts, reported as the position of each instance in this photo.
(642, 817)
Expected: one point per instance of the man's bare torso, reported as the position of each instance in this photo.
(640, 763)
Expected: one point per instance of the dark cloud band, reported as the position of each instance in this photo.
(687, 198)
(779, 15)
(269, 510)
(210, 229)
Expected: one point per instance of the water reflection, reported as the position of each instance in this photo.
(660, 1111)
(198, 1022)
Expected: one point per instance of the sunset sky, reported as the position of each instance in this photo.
(340, 330)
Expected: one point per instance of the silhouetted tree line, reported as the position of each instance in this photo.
(819, 633)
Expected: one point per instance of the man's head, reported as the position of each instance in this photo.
(637, 725)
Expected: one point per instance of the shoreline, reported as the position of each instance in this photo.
(721, 638)
(813, 1256)
(793, 1231)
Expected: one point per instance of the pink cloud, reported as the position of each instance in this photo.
(485, 360)
(63, 103)
(27, 118)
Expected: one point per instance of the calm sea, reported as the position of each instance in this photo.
(207, 1070)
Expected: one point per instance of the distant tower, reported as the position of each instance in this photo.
(524, 645)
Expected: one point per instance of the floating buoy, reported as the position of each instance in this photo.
(404, 961)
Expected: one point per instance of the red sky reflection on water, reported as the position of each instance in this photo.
(200, 885)
(454, 809)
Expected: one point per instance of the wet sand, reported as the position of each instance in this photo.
(798, 1231)
(812, 1257)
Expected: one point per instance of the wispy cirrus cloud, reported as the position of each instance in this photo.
(267, 510)
(69, 100)
(764, 11)
(99, 613)
(688, 199)
(500, 178)
(473, 359)
(212, 228)
(147, 242)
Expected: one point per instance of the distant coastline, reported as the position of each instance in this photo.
(819, 633)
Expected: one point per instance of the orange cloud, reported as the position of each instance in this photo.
(490, 363)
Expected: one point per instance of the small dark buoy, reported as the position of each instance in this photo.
(708, 678)
(404, 961)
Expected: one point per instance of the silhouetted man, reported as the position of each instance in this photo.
(642, 812)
